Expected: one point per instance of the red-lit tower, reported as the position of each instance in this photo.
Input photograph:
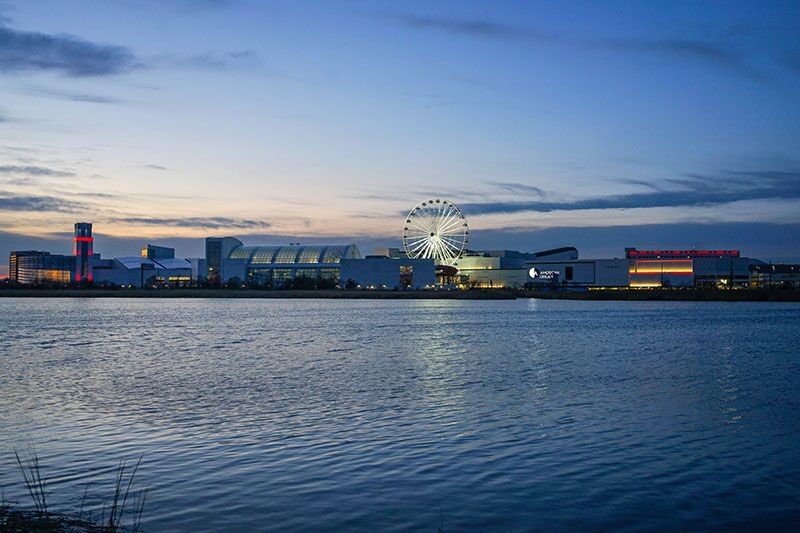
(82, 251)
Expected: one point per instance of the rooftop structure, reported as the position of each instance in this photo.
(151, 251)
(633, 253)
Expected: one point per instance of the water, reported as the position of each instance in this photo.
(398, 415)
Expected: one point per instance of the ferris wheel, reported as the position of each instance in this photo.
(436, 230)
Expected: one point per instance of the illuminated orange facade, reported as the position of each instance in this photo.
(661, 273)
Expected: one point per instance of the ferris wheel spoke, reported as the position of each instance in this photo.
(448, 211)
(452, 242)
(445, 220)
(453, 236)
(415, 248)
(429, 251)
(449, 226)
(419, 224)
(430, 224)
(416, 235)
(443, 253)
(435, 251)
(451, 247)
(419, 243)
(453, 216)
(435, 248)
(444, 249)
(416, 239)
(447, 216)
(456, 245)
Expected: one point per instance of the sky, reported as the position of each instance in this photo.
(587, 124)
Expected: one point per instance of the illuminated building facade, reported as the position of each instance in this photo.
(40, 268)
(768, 276)
(561, 268)
(645, 273)
(83, 248)
(13, 263)
(151, 251)
(687, 268)
(227, 259)
(580, 273)
(633, 253)
(506, 268)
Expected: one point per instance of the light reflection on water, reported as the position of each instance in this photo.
(380, 415)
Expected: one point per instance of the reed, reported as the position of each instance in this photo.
(126, 502)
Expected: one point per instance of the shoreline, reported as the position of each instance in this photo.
(329, 294)
(668, 295)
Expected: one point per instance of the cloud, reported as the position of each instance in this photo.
(30, 170)
(211, 60)
(34, 51)
(10, 202)
(698, 51)
(197, 222)
(517, 188)
(474, 27)
(154, 167)
(706, 52)
(690, 190)
(25, 51)
(70, 96)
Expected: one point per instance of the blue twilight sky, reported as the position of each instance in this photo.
(599, 125)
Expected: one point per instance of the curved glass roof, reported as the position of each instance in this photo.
(296, 255)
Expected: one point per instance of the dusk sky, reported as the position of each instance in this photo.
(600, 125)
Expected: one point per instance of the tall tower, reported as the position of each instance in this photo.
(83, 249)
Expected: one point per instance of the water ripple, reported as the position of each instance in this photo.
(378, 415)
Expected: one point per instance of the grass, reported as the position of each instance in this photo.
(126, 502)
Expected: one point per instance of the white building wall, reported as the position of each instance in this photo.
(585, 273)
(382, 271)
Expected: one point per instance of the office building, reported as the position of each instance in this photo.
(31, 267)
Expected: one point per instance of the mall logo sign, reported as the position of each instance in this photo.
(548, 275)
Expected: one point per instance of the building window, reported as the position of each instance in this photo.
(311, 273)
(568, 273)
(330, 274)
(287, 254)
(281, 276)
(260, 277)
(406, 276)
